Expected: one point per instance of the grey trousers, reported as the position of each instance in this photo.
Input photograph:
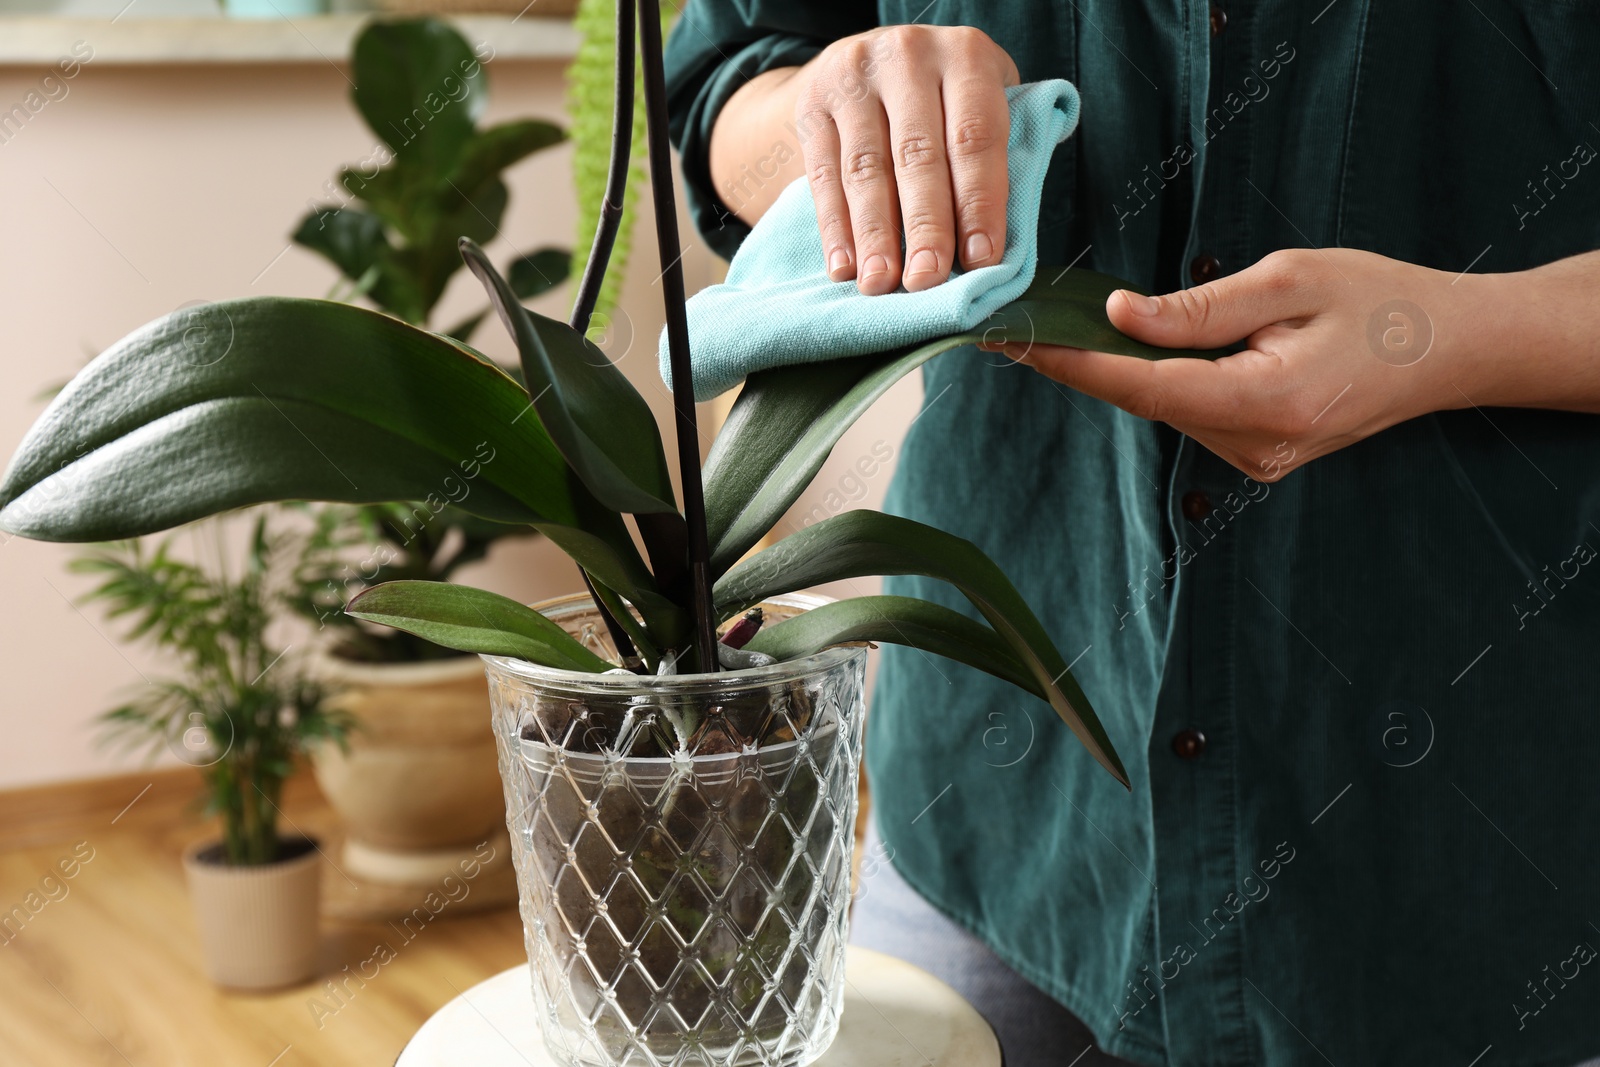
(1034, 1030)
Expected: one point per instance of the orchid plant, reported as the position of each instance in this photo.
(317, 400)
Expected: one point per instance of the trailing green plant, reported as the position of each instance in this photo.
(242, 710)
(421, 88)
(319, 400)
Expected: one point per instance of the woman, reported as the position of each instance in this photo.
(1332, 595)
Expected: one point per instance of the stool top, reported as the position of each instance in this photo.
(895, 1015)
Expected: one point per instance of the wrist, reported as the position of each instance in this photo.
(1494, 348)
(754, 150)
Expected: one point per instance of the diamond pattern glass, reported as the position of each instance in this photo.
(683, 851)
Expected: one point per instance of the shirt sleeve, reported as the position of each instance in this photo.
(717, 46)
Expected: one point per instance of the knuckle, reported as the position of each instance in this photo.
(900, 39)
(918, 151)
(967, 39)
(1148, 402)
(977, 208)
(1288, 269)
(822, 171)
(811, 112)
(863, 166)
(1199, 304)
(833, 226)
(973, 135)
(926, 227)
(871, 228)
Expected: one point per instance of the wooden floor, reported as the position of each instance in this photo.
(105, 969)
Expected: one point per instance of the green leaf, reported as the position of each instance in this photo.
(351, 240)
(538, 272)
(863, 543)
(492, 150)
(779, 434)
(896, 620)
(420, 88)
(474, 620)
(596, 417)
(786, 420)
(433, 257)
(1068, 307)
(264, 399)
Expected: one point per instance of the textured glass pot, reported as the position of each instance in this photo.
(684, 902)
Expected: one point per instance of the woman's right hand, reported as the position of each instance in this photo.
(902, 131)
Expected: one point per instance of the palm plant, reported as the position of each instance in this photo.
(324, 401)
(242, 712)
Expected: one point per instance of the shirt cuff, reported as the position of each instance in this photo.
(723, 230)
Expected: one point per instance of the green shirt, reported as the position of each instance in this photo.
(1357, 705)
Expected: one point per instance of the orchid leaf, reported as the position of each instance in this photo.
(896, 620)
(474, 620)
(249, 401)
(788, 419)
(864, 543)
(597, 418)
(1068, 307)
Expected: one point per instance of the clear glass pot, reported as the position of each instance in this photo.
(683, 851)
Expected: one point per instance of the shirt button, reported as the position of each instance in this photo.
(1188, 744)
(1204, 268)
(1219, 19)
(1195, 504)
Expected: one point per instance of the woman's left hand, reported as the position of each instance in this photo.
(1341, 344)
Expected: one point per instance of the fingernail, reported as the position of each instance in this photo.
(979, 248)
(838, 263)
(1139, 305)
(874, 266)
(924, 262)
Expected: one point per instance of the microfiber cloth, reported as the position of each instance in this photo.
(779, 307)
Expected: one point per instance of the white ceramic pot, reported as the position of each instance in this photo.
(258, 925)
(418, 788)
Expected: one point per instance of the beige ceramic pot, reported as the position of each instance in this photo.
(258, 925)
(418, 788)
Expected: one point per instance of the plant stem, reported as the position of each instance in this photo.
(605, 233)
(671, 257)
(605, 236)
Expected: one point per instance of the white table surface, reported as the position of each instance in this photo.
(895, 1015)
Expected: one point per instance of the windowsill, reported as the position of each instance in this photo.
(43, 39)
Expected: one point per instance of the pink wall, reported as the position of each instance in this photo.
(147, 188)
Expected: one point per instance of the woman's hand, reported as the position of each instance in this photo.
(902, 132)
(1341, 344)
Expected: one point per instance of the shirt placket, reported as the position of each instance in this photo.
(1198, 973)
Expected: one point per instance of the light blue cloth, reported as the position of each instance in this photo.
(778, 306)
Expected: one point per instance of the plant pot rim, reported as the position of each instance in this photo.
(788, 670)
(336, 668)
(191, 858)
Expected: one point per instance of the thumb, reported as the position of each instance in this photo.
(1215, 314)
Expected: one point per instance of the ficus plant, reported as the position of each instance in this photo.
(324, 401)
(434, 176)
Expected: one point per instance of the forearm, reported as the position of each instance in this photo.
(1531, 338)
(755, 150)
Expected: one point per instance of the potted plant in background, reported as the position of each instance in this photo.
(415, 786)
(242, 713)
(680, 800)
